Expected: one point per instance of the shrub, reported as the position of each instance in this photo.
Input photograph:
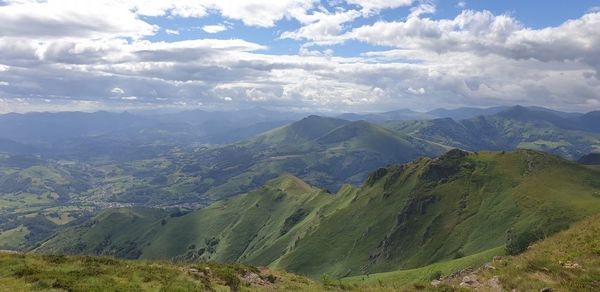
(518, 243)
(435, 275)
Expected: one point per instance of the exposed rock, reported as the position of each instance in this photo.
(436, 283)
(494, 284)
(254, 278)
(470, 281)
(489, 266)
(569, 265)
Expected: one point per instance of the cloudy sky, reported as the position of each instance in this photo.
(306, 55)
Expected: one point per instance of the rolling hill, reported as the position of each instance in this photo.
(325, 152)
(403, 217)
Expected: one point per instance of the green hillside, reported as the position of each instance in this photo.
(435, 210)
(403, 217)
(324, 152)
(566, 261)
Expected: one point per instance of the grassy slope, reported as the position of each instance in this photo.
(545, 264)
(248, 227)
(99, 236)
(20, 272)
(404, 216)
(551, 262)
(403, 278)
(338, 152)
(416, 221)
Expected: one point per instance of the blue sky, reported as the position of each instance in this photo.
(531, 13)
(305, 55)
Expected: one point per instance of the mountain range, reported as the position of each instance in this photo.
(318, 196)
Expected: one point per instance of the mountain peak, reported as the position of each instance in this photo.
(290, 183)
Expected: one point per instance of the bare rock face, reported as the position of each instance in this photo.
(470, 281)
(494, 284)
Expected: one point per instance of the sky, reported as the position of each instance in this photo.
(298, 55)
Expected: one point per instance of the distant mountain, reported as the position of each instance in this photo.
(403, 216)
(455, 114)
(590, 159)
(52, 130)
(466, 112)
(515, 127)
(46, 128)
(403, 114)
(590, 121)
(326, 152)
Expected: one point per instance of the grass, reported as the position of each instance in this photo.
(406, 278)
(12, 239)
(566, 261)
(27, 272)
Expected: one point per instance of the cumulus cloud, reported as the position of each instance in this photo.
(87, 56)
(214, 28)
(482, 33)
(321, 27)
(371, 6)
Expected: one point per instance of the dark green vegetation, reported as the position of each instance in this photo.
(403, 217)
(590, 159)
(19, 272)
(567, 135)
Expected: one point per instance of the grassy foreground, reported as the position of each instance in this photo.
(30, 272)
(566, 261)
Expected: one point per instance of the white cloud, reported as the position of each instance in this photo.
(482, 33)
(70, 18)
(419, 91)
(215, 28)
(88, 56)
(424, 8)
(321, 27)
(461, 4)
(117, 90)
(370, 6)
(172, 31)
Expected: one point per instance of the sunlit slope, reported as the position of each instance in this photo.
(434, 210)
(325, 152)
(403, 217)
